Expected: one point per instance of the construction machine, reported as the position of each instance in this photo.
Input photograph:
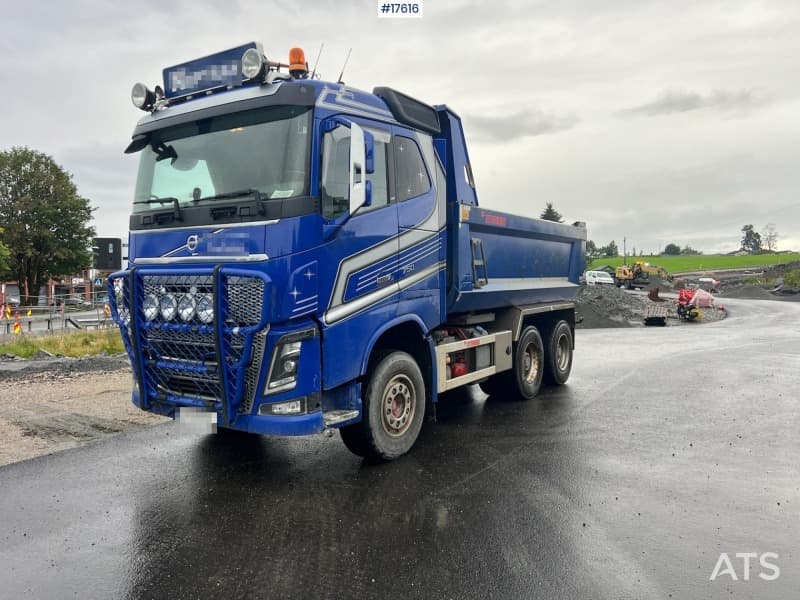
(653, 269)
(631, 276)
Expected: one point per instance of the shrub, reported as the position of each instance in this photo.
(792, 278)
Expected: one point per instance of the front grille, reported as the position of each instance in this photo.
(180, 338)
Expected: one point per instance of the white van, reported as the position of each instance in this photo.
(599, 278)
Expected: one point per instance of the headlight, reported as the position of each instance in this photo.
(205, 309)
(169, 306)
(150, 307)
(186, 307)
(283, 374)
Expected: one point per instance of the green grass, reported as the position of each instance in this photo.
(73, 344)
(702, 262)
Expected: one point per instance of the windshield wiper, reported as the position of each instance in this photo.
(227, 195)
(176, 206)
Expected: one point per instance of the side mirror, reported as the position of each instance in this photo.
(361, 163)
(358, 160)
(368, 194)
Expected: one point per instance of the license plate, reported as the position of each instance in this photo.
(196, 420)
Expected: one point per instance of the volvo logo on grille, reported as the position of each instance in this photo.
(191, 243)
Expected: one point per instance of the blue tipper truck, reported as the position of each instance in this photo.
(305, 256)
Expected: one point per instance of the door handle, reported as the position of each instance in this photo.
(384, 279)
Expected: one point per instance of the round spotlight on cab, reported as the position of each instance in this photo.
(150, 307)
(253, 64)
(143, 97)
(186, 307)
(168, 306)
(205, 308)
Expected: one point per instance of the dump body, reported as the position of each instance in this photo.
(287, 234)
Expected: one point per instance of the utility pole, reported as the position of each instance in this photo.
(624, 251)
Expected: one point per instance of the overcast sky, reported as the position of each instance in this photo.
(661, 122)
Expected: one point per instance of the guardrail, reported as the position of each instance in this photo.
(51, 319)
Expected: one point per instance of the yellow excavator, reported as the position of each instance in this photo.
(631, 277)
(653, 269)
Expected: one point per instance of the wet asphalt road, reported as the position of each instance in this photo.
(666, 448)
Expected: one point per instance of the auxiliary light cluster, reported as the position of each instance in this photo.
(184, 307)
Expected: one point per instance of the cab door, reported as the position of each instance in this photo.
(361, 253)
(419, 189)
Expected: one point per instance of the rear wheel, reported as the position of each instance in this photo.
(393, 410)
(558, 358)
(529, 363)
(524, 379)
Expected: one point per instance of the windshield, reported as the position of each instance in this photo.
(263, 152)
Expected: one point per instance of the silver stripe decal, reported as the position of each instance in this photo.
(366, 284)
(393, 265)
(171, 260)
(525, 283)
(345, 310)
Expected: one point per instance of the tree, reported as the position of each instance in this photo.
(751, 240)
(591, 252)
(4, 256)
(769, 235)
(46, 222)
(551, 214)
(611, 250)
(672, 249)
(687, 249)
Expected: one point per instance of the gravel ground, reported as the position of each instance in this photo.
(47, 406)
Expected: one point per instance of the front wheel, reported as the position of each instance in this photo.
(393, 410)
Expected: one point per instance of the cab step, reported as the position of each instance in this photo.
(336, 417)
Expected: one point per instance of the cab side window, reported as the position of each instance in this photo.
(410, 173)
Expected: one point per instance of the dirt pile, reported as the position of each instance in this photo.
(609, 306)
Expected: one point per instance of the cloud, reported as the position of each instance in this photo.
(517, 125)
(673, 101)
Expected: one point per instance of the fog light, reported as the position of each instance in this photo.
(289, 366)
(287, 408)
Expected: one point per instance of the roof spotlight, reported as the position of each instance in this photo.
(142, 97)
(253, 63)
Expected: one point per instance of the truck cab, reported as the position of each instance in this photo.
(298, 257)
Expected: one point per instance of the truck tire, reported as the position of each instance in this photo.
(529, 363)
(558, 358)
(393, 410)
